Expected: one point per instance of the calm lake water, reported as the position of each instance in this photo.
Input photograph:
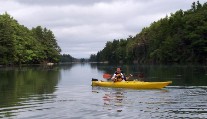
(65, 91)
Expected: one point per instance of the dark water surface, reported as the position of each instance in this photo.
(65, 91)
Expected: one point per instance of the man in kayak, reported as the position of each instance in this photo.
(118, 76)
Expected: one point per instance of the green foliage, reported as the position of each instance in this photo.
(93, 58)
(50, 50)
(179, 38)
(20, 45)
(66, 58)
(6, 39)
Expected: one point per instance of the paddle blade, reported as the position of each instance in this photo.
(107, 76)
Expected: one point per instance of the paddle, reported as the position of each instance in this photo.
(107, 76)
(139, 75)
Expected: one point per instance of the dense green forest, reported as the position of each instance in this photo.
(67, 58)
(178, 38)
(20, 45)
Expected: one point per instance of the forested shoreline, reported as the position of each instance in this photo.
(178, 38)
(20, 45)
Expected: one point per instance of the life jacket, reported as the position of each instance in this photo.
(118, 77)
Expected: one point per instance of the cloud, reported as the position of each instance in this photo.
(83, 27)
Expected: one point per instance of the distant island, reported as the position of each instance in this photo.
(178, 38)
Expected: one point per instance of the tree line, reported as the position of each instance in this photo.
(20, 45)
(67, 58)
(178, 38)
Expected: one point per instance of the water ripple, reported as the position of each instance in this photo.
(101, 103)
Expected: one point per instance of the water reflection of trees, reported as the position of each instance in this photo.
(102, 67)
(66, 66)
(180, 74)
(18, 84)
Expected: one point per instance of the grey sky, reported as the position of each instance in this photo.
(82, 27)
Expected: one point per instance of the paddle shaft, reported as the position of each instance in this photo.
(108, 76)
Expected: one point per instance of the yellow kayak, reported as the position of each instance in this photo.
(131, 84)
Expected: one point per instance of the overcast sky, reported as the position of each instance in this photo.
(82, 27)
